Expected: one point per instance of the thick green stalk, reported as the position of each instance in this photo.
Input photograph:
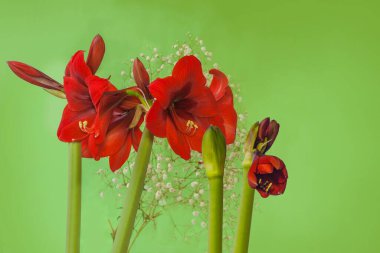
(127, 220)
(74, 198)
(215, 215)
(245, 215)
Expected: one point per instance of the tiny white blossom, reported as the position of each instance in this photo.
(158, 195)
(203, 224)
(101, 194)
(195, 213)
(194, 184)
(162, 202)
(201, 191)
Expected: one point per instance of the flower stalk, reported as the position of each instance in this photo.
(245, 215)
(127, 220)
(214, 156)
(74, 198)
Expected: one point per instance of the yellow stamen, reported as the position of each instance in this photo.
(191, 126)
(268, 187)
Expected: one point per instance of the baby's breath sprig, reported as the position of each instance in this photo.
(170, 181)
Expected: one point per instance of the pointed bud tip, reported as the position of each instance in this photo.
(214, 152)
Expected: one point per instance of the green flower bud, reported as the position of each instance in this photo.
(214, 152)
(249, 146)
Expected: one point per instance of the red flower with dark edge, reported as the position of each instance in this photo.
(225, 103)
(116, 127)
(184, 107)
(119, 115)
(268, 175)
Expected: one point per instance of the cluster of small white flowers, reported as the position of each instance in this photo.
(170, 180)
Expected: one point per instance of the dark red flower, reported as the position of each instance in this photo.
(268, 175)
(225, 103)
(116, 127)
(184, 107)
(83, 92)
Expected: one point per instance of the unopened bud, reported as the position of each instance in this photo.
(214, 152)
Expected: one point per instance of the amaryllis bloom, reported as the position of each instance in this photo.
(184, 107)
(116, 127)
(83, 92)
(268, 175)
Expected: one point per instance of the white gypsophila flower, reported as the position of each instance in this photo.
(193, 221)
(194, 184)
(114, 180)
(158, 194)
(162, 202)
(196, 195)
(203, 224)
(195, 213)
(101, 194)
(201, 191)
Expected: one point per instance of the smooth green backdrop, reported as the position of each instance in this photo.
(312, 65)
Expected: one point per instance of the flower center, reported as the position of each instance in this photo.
(265, 186)
(191, 127)
(88, 130)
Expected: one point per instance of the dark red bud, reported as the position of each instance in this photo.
(34, 76)
(141, 76)
(272, 132)
(96, 53)
(263, 128)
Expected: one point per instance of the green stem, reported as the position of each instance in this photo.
(215, 215)
(127, 220)
(245, 216)
(74, 198)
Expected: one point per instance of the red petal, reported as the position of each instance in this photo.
(136, 137)
(229, 115)
(263, 128)
(34, 76)
(188, 69)
(78, 68)
(177, 141)
(69, 130)
(165, 90)
(96, 53)
(118, 159)
(156, 120)
(201, 103)
(264, 168)
(252, 179)
(97, 86)
(218, 84)
(77, 95)
(85, 151)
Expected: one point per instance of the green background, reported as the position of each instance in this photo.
(312, 65)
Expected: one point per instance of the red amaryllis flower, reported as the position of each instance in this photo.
(83, 92)
(268, 175)
(116, 127)
(184, 107)
(225, 103)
